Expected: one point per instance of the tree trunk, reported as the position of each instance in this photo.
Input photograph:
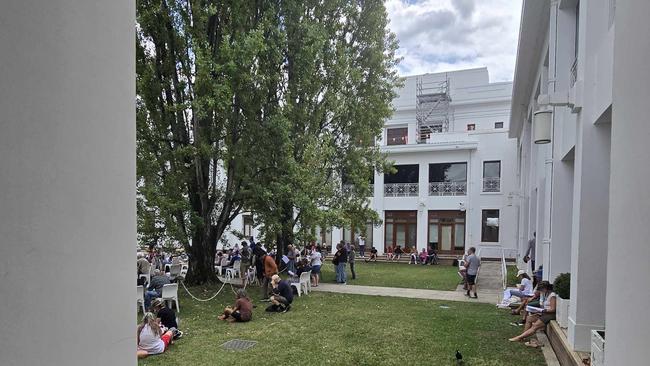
(201, 255)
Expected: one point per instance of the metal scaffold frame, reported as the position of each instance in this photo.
(432, 107)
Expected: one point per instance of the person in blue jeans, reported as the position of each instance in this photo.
(155, 287)
(340, 259)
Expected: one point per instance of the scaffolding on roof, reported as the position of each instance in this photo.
(432, 107)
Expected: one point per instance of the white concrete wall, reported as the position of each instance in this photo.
(67, 177)
(627, 335)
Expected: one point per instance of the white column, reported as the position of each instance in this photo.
(67, 178)
(627, 335)
(589, 233)
(423, 213)
(378, 232)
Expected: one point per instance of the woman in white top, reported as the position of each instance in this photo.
(151, 339)
(523, 291)
(316, 262)
(538, 320)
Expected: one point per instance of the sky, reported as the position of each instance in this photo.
(445, 35)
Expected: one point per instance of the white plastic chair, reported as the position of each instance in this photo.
(234, 271)
(140, 297)
(174, 271)
(147, 278)
(170, 293)
(305, 281)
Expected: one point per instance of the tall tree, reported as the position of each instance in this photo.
(340, 69)
(208, 82)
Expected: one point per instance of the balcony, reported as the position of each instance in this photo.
(448, 188)
(491, 184)
(347, 189)
(401, 190)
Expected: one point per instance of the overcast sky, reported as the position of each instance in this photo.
(445, 35)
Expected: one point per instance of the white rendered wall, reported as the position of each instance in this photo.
(627, 335)
(67, 183)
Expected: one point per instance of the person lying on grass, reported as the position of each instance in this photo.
(539, 319)
(242, 311)
(282, 295)
(152, 339)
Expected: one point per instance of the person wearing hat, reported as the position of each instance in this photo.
(166, 315)
(523, 291)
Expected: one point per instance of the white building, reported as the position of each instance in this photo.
(456, 169)
(583, 191)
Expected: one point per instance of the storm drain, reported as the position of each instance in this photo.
(238, 344)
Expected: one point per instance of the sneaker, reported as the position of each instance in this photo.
(503, 306)
(286, 308)
(474, 297)
(515, 324)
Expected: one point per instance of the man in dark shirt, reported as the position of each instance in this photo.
(282, 294)
(155, 287)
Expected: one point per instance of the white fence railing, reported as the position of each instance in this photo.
(447, 188)
(491, 184)
(401, 190)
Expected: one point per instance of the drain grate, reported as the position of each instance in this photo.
(238, 344)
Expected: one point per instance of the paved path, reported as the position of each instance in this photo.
(489, 288)
(490, 297)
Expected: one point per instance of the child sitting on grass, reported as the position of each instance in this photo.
(152, 340)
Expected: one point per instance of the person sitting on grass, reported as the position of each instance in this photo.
(166, 315)
(523, 290)
(538, 319)
(241, 312)
(373, 255)
(152, 340)
(398, 253)
(282, 295)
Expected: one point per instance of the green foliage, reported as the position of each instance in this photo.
(562, 285)
(257, 106)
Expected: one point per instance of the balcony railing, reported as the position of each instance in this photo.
(574, 72)
(491, 184)
(401, 190)
(447, 188)
(347, 189)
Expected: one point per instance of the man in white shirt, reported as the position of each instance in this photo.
(362, 246)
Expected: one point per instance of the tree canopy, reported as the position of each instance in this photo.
(260, 106)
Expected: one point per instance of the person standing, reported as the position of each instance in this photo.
(362, 246)
(270, 270)
(291, 265)
(530, 252)
(472, 264)
(351, 256)
(339, 260)
(316, 262)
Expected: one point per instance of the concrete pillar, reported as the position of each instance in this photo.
(423, 213)
(562, 199)
(67, 172)
(589, 233)
(627, 260)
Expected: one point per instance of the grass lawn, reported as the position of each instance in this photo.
(337, 329)
(438, 277)
(512, 280)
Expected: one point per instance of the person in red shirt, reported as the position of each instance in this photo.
(242, 311)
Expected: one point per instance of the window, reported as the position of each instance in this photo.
(402, 183)
(401, 229)
(447, 179)
(248, 225)
(498, 124)
(447, 231)
(490, 226)
(471, 127)
(397, 136)
(492, 176)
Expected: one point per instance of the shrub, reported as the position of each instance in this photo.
(562, 285)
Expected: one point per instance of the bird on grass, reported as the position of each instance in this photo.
(459, 358)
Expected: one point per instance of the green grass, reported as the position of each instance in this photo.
(512, 276)
(337, 329)
(438, 277)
